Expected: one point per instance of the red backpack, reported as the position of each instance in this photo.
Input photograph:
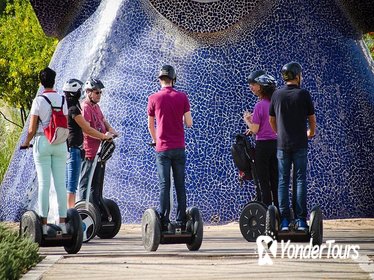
(57, 130)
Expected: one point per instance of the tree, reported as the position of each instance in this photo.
(369, 40)
(25, 50)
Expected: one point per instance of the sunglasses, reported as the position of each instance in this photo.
(97, 92)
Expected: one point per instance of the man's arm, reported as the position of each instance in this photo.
(273, 123)
(188, 119)
(151, 128)
(109, 128)
(312, 126)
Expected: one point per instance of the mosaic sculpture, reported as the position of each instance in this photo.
(214, 45)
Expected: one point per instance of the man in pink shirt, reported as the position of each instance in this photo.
(92, 113)
(171, 109)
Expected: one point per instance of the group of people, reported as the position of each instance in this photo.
(69, 163)
(280, 121)
(283, 120)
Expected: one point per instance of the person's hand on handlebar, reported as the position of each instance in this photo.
(153, 144)
(107, 137)
(113, 132)
(25, 145)
(310, 134)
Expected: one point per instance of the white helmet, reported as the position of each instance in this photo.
(73, 87)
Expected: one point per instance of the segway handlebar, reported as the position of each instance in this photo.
(25, 147)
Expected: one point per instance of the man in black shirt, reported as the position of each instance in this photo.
(290, 110)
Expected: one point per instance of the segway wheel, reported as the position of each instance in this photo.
(316, 226)
(272, 222)
(75, 228)
(110, 232)
(91, 220)
(252, 220)
(151, 230)
(195, 224)
(31, 226)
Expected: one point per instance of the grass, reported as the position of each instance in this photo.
(10, 134)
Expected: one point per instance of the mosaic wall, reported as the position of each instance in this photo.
(214, 46)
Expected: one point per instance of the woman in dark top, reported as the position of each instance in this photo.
(77, 126)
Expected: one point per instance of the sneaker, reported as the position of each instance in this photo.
(45, 229)
(62, 226)
(301, 224)
(284, 224)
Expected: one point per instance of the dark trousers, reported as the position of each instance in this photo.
(267, 170)
(176, 160)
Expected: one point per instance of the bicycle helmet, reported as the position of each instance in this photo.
(266, 80)
(92, 84)
(291, 70)
(73, 88)
(254, 75)
(168, 71)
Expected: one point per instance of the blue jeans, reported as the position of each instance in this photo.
(176, 159)
(299, 160)
(73, 169)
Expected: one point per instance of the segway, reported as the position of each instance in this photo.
(253, 216)
(31, 226)
(100, 216)
(293, 234)
(153, 234)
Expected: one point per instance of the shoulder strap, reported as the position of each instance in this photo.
(49, 102)
(63, 100)
(46, 98)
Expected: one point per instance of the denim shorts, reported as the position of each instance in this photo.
(73, 169)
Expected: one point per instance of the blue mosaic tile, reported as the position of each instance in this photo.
(213, 47)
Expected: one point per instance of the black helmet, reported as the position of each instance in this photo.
(266, 80)
(168, 71)
(254, 75)
(73, 88)
(93, 84)
(290, 71)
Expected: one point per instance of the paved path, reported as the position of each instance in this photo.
(224, 255)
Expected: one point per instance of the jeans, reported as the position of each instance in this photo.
(299, 160)
(50, 159)
(85, 174)
(267, 170)
(176, 159)
(73, 169)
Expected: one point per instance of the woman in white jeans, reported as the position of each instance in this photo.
(50, 159)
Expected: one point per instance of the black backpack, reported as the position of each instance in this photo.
(243, 154)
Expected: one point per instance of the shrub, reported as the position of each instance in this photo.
(17, 254)
(11, 134)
